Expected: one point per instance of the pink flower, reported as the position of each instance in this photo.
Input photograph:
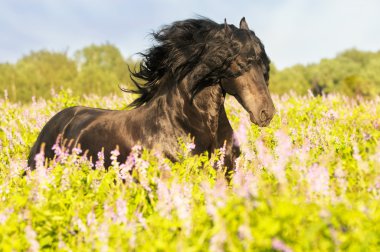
(137, 149)
(222, 156)
(331, 114)
(218, 240)
(77, 150)
(40, 159)
(240, 135)
(340, 176)
(121, 211)
(114, 154)
(109, 212)
(263, 154)
(245, 184)
(124, 173)
(215, 197)
(279, 245)
(318, 179)
(59, 151)
(91, 218)
(5, 215)
(31, 236)
(141, 219)
(284, 151)
(142, 166)
(100, 162)
(190, 147)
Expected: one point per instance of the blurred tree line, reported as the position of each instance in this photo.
(100, 69)
(352, 72)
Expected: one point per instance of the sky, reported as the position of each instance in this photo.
(293, 31)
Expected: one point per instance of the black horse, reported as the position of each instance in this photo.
(185, 78)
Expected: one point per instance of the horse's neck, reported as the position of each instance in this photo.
(200, 114)
(203, 110)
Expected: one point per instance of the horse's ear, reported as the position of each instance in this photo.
(243, 24)
(227, 28)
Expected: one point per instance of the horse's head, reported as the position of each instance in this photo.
(249, 78)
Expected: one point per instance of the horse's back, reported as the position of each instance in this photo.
(58, 125)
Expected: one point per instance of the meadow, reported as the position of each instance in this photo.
(308, 182)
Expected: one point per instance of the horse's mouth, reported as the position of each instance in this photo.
(259, 122)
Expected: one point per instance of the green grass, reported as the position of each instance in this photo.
(308, 182)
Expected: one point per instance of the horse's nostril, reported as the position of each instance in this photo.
(263, 115)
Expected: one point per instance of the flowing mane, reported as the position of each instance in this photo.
(199, 47)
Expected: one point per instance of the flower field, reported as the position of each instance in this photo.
(308, 182)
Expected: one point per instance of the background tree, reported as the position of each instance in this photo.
(101, 69)
(40, 72)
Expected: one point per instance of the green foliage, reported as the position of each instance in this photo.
(352, 73)
(101, 69)
(94, 69)
(308, 182)
(289, 79)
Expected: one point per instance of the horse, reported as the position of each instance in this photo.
(181, 83)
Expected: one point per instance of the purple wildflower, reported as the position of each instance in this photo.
(331, 114)
(109, 212)
(318, 179)
(218, 240)
(367, 136)
(244, 232)
(340, 176)
(3, 218)
(121, 211)
(377, 182)
(100, 162)
(40, 159)
(263, 154)
(5, 215)
(31, 237)
(124, 173)
(356, 154)
(284, 148)
(77, 150)
(59, 151)
(164, 206)
(142, 166)
(141, 220)
(303, 154)
(114, 154)
(65, 180)
(215, 197)
(91, 218)
(245, 184)
(284, 151)
(190, 146)
(220, 162)
(103, 235)
(279, 245)
(181, 198)
(240, 135)
(137, 149)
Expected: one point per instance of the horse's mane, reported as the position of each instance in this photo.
(200, 48)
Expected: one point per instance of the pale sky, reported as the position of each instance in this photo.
(293, 31)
